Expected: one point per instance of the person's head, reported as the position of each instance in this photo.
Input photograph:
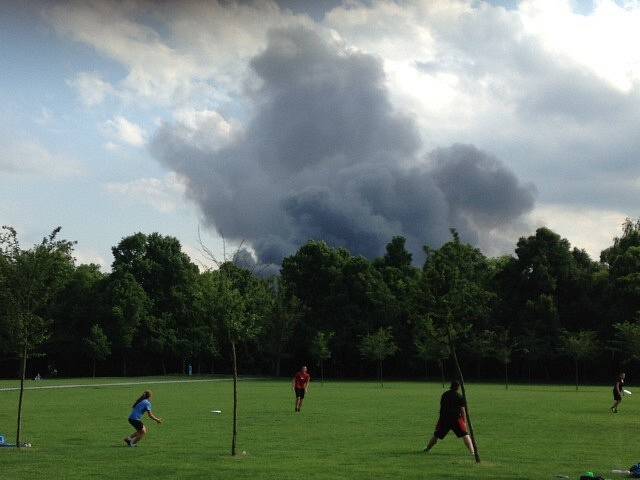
(146, 395)
(455, 385)
(304, 369)
(621, 376)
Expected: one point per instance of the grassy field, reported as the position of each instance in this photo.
(346, 431)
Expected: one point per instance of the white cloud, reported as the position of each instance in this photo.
(32, 158)
(552, 92)
(165, 195)
(91, 89)
(205, 129)
(87, 256)
(592, 229)
(205, 54)
(604, 41)
(124, 131)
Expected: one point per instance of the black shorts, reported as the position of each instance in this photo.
(137, 424)
(300, 393)
(458, 425)
(616, 396)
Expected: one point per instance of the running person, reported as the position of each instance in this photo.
(301, 386)
(618, 392)
(452, 417)
(142, 405)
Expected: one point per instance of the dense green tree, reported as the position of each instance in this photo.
(169, 280)
(580, 346)
(96, 346)
(429, 348)
(29, 281)
(502, 346)
(280, 325)
(626, 340)
(129, 311)
(456, 279)
(377, 347)
(320, 350)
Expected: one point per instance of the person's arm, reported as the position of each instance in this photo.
(154, 418)
(306, 385)
(619, 388)
(293, 383)
(464, 414)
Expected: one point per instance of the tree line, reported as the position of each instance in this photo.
(544, 313)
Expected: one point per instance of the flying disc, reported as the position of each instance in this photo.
(627, 392)
(217, 412)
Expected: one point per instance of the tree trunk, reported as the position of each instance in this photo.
(380, 374)
(506, 376)
(441, 371)
(22, 375)
(577, 379)
(124, 366)
(163, 366)
(278, 366)
(94, 367)
(212, 366)
(466, 404)
(235, 399)
(321, 373)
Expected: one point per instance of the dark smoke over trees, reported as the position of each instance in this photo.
(156, 313)
(324, 155)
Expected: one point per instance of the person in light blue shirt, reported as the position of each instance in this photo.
(141, 406)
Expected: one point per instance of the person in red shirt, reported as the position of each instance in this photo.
(300, 386)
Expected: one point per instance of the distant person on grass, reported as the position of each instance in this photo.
(452, 417)
(300, 386)
(618, 392)
(142, 405)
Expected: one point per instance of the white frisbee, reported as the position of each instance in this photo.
(627, 392)
(217, 412)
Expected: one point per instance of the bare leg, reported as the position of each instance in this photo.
(431, 444)
(614, 407)
(300, 400)
(467, 441)
(139, 435)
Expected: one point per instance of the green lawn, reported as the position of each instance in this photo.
(346, 431)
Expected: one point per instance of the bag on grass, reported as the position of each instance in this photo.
(634, 471)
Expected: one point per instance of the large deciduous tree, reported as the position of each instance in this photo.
(377, 347)
(29, 280)
(457, 298)
(580, 346)
(320, 350)
(97, 346)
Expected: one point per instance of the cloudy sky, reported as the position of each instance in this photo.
(351, 121)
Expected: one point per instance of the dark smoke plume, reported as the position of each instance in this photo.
(324, 157)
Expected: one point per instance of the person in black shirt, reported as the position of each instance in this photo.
(617, 392)
(452, 417)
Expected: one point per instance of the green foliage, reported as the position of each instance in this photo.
(320, 350)
(29, 281)
(159, 311)
(456, 285)
(378, 346)
(580, 345)
(627, 340)
(97, 345)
